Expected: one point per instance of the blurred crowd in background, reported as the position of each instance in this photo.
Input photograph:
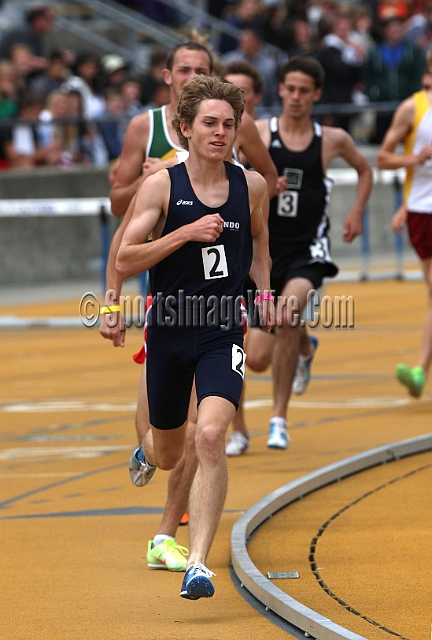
(372, 51)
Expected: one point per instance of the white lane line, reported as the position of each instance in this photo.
(352, 403)
(48, 407)
(24, 453)
(6, 476)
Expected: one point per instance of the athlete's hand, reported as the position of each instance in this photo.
(281, 185)
(148, 162)
(112, 326)
(267, 314)
(399, 219)
(425, 154)
(353, 227)
(206, 229)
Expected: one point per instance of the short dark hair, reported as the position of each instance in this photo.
(305, 64)
(158, 55)
(244, 68)
(192, 46)
(36, 11)
(202, 88)
(30, 98)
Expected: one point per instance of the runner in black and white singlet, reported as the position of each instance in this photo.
(298, 219)
(298, 222)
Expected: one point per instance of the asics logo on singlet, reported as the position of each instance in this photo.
(189, 202)
(277, 144)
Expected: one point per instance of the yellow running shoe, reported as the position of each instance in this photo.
(414, 379)
(167, 555)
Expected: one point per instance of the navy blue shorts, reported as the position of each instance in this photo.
(176, 354)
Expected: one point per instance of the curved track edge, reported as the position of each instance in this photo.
(254, 581)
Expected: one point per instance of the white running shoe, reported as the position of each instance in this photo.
(303, 371)
(278, 436)
(140, 471)
(238, 444)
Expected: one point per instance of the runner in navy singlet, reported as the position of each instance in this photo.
(208, 256)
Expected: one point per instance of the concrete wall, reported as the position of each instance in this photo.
(54, 249)
(51, 249)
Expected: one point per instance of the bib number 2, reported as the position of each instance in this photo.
(215, 263)
(238, 358)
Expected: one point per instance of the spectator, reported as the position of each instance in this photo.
(86, 80)
(131, 91)
(160, 96)
(296, 38)
(87, 145)
(8, 104)
(53, 77)
(115, 70)
(418, 27)
(393, 71)
(8, 90)
(55, 137)
(152, 78)
(39, 21)
(113, 132)
(250, 49)
(22, 59)
(22, 147)
(245, 15)
(343, 68)
(362, 25)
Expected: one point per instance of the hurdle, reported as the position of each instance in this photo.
(48, 207)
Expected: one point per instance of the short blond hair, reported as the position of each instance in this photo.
(202, 88)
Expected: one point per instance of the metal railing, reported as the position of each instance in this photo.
(212, 25)
(138, 29)
(142, 29)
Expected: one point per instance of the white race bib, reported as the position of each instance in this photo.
(215, 263)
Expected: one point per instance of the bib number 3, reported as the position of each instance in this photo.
(288, 204)
(238, 358)
(215, 263)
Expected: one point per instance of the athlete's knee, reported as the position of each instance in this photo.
(166, 460)
(258, 361)
(166, 452)
(210, 441)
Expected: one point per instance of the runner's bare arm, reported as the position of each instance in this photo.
(112, 324)
(256, 153)
(260, 268)
(338, 142)
(399, 129)
(128, 172)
